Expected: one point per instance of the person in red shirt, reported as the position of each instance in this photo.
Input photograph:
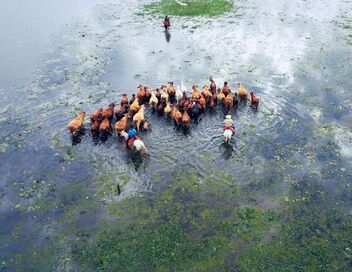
(228, 127)
(228, 132)
(167, 22)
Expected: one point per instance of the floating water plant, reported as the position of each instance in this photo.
(202, 226)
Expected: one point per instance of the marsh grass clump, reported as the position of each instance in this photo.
(191, 7)
(316, 236)
(316, 240)
(184, 228)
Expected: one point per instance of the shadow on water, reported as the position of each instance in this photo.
(106, 136)
(95, 138)
(78, 137)
(228, 151)
(167, 35)
(137, 159)
(186, 130)
(253, 110)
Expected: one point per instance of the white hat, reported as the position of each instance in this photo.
(228, 116)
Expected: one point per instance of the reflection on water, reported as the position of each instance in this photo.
(27, 28)
(227, 150)
(77, 138)
(167, 35)
(285, 57)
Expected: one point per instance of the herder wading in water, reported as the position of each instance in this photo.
(166, 22)
(133, 140)
(228, 132)
(132, 133)
(139, 146)
(228, 121)
(229, 129)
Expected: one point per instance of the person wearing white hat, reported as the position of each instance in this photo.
(228, 121)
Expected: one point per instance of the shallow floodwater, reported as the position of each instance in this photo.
(72, 57)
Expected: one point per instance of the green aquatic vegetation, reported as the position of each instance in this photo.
(328, 130)
(123, 177)
(32, 254)
(316, 240)
(108, 181)
(56, 141)
(70, 154)
(31, 196)
(108, 188)
(3, 147)
(3, 265)
(191, 7)
(258, 183)
(349, 39)
(76, 199)
(35, 188)
(316, 234)
(181, 222)
(43, 205)
(33, 260)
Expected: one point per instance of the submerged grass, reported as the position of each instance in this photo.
(316, 235)
(202, 224)
(193, 225)
(191, 7)
(315, 239)
(183, 228)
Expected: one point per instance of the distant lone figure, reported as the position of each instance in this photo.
(166, 22)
